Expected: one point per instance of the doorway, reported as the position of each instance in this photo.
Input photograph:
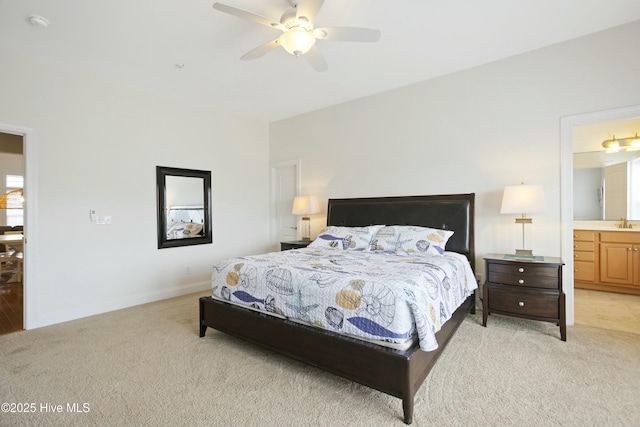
(30, 244)
(11, 233)
(285, 185)
(567, 125)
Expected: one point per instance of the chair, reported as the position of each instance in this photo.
(8, 248)
(11, 264)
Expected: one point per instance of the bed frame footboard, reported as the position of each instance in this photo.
(394, 372)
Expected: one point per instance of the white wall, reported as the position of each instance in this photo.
(474, 131)
(98, 143)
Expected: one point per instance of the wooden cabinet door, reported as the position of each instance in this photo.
(584, 271)
(616, 263)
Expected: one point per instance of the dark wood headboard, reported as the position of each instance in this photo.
(450, 212)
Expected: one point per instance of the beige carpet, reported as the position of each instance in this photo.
(146, 366)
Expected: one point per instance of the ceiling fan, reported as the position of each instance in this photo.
(298, 32)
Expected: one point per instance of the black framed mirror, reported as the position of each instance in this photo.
(184, 207)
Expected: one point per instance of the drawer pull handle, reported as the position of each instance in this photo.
(521, 270)
(575, 255)
(521, 281)
(521, 303)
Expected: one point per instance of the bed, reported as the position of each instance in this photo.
(185, 222)
(396, 370)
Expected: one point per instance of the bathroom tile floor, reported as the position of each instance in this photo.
(607, 310)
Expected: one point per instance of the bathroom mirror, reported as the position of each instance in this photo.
(184, 207)
(605, 184)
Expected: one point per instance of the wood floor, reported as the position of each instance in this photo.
(607, 310)
(11, 307)
(594, 308)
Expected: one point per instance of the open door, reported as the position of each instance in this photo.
(12, 167)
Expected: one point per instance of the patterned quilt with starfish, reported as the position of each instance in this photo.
(374, 295)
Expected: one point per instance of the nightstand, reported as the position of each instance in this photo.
(531, 289)
(298, 244)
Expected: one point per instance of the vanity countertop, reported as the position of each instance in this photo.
(604, 226)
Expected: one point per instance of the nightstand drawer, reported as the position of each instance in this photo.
(535, 276)
(523, 302)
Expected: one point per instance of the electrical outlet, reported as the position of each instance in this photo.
(107, 219)
(187, 271)
(479, 278)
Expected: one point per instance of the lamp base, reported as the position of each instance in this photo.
(524, 253)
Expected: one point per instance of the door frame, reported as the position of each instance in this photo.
(566, 187)
(30, 163)
(272, 196)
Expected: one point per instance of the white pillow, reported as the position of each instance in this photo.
(346, 238)
(411, 239)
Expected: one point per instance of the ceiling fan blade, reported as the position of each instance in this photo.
(309, 9)
(249, 16)
(316, 59)
(347, 34)
(260, 50)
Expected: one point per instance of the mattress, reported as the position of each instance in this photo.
(383, 297)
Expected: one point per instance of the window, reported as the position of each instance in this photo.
(14, 216)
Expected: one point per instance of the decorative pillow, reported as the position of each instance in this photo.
(181, 229)
(411, 239)
(346, 238)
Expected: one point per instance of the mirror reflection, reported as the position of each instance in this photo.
(606, 186)
(184, 206)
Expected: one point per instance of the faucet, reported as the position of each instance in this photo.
(625, 223)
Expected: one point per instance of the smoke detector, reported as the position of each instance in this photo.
(39, 21)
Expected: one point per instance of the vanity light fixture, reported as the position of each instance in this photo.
(523, 199)
(614, 144)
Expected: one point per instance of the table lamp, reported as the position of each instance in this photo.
(523, 199)
(305, 206)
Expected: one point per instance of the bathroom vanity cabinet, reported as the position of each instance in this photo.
(607, 260)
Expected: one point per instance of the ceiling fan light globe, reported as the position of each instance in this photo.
(297, 41)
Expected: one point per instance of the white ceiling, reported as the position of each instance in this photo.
(141, 41)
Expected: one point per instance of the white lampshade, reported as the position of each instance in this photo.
(305, 205)
(523, 199)
(297, 41)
